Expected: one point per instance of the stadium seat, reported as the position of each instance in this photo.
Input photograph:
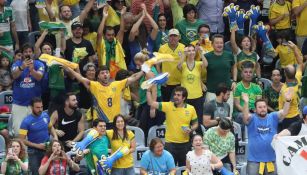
(237, 130)
(10, 126)
(139, 135)
(266, 82)
(180, 170)
(243, 169)
(137, 155)
(6, 98)
(156, 131)
(2, 148)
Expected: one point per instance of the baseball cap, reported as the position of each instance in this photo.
(4, 109)
(75, 25)
(305, 110)
(173, 32)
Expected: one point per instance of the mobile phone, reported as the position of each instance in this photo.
(10, 151)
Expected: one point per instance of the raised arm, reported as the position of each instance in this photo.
(298, 55)
(155, 27)
(203, 58)
(121, 32)
(150, 101)
(135, 28)
(79, 77)
(102, 25)
(288, 97)
(246, 115)
(86, 9)
(50, 12)
(14, 33)
(297, 10)
(233, 42)
(181, 56)
(38, 43)
(133, 78)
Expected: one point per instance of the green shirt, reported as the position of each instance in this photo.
(13, 168)
(142, 92)
(220, 146)
(243, 57)
(56, 77)
(253, 91)
(188, 31)
(100, 146)
(272, 96)
(219, 69)
(6, 17)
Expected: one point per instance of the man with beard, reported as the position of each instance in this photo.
(67, 123)
(218, 108)
(181, 121)
(262, 126)
(35, 128)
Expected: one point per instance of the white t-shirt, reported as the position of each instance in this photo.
(20, 10)
(68, 26)
(200, 165)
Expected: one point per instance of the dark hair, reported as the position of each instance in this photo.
(250, 39)
(247, 65)
(259, 100)
(217, 36)
(221, 88)
(36, 100)
(101, 68)
(97, 121)
(87, 24)
(22, 155)
(195, 135)
(17, 51)
(26, 46)
(187, 8)
(46, 43)
(290, 73)
(2, 57)
(225, 123)
(68, 94)
(161, 14)
(183, 90)
(115, 131)
(154, 142)
(107, 28)
(190, 45)
(49, 148)
(122, 74)
(60, 8)
(203, 25)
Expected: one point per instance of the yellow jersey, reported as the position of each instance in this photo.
(108, 97)
(70, 2)
(92, 37)
(294, 109)
(176, 119)
(286, 55)
(301, 19)
(207, 47)
(191, 80)
(277, 10)
(127, 160)
(171, 67)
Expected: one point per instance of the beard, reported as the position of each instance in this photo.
(37, 113)
(73, 107)
(262, 114)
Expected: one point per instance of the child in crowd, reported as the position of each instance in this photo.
(5, 74)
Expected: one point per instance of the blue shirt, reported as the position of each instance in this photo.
(26, 87)
(260, 136)
(36, 128)
(162, 164)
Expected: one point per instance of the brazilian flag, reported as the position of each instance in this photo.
(52, 27)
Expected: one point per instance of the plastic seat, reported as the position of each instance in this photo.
(180, 170)
(156, 131)
(138, 134)
(6, 98)
(237, 130)
(266, 82)
(137, 155)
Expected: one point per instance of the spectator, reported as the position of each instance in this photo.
(177, 9)
(90, 34)
(173, 47)
(300, 11)
(67, 123)
(261, 129)
(218, 108)
(22, 20)
(94, 17)
(191, 79)
(109, 48)
(106, 94)
(6, 80)
(8, 27)
(280, 18)
(56, 161)
(97, 148)
(17, 56)
(211, 13)
(203, 41)
(157, 160)
(293, 80)
(285, 53)
(16, 161)
(27, 74)
(189, 25)
(177, 144)
(162, 36)
(218, 60)
(74, 5)
(201, 161)
(85, 97)
(147, 115)
(253, 90)
(245, 53)
(296, 128)
(119, 136)
(34, 134)
(221, 142)
(271, 93)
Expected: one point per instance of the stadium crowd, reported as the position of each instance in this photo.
(231, 86)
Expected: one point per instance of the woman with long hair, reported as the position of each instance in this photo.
(200, 160)
(16, 161)
(119, 137)
(56, 161)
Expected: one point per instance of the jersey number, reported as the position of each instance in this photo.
(109, 100)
